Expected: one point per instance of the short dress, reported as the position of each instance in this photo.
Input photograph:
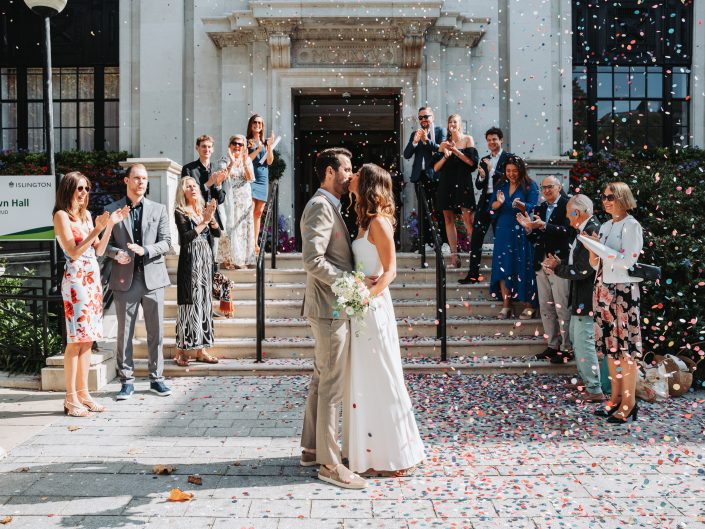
(455, 185)
(82, 292)
(260, 186)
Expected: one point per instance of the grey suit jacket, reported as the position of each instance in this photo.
(326, 252)
(156, 240)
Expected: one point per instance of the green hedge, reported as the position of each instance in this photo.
(669, 185)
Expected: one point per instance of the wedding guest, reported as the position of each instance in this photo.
(196, 224)
(138, 278)
(261, 154)
(238, 249)
(209, 180)
(81, 287)
(489, 173)
(423, 144)
(457, 159)
(616, 300)
(577, 270)
(551, 234)
(513, 278)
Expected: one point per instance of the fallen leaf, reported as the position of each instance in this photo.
(73, 428)
(195, 480)
(236, 464)
(23, 469)
(179, 495)
(133, 451)
(6, 520)
(163, 469)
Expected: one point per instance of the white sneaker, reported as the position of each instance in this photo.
(445, 249)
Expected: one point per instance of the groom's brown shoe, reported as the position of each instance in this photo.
(307, 459)
(341, 476)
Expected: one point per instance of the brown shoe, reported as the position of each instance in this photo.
(593, 397)
(578, 386)
(341, 476)
(307, 459)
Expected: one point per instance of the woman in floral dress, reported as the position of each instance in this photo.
(81, 285)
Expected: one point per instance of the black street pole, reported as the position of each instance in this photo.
(49, 139)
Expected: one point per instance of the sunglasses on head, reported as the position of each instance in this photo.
(237, 143)
(427, 116)
(607, 198)
(84, 188)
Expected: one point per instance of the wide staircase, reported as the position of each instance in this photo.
(477, 340)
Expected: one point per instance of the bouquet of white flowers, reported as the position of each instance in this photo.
(353, 296)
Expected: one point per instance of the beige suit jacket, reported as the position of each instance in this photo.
(326, 252)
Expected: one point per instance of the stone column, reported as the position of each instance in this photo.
(697, 77)
(164, 175)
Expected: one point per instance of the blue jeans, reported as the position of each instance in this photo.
(582, 336)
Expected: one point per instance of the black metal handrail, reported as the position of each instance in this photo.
(425, 211)
(272, 213)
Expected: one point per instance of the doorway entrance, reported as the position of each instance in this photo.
(368, 124)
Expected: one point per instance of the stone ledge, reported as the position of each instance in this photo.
(18, 382)
(102, 369)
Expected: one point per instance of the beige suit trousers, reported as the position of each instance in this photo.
(325, 394)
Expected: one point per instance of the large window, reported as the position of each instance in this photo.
(85, 108)
(631, 73)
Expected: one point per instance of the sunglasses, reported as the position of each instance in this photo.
(607, 198)
(427, 116)
(238, 144)
(83, 188)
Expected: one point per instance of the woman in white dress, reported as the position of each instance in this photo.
(381, 436)
(237, 248)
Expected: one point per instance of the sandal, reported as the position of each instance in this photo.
(505, 313)
(527, 314)
(91, 404)
(203, 356)
(181, 359)
(74, 410)
(454, 261)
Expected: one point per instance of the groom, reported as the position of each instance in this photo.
(327, 253)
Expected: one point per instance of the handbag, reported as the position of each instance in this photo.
(645, 271)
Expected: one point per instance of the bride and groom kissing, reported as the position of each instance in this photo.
(357, 361)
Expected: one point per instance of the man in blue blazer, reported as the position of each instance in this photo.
(423, 144)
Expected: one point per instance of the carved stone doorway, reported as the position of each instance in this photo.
(368, 124)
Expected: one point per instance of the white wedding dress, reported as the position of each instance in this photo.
(380, 429)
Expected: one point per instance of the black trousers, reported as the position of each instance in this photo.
(430, 188)
(480, 227)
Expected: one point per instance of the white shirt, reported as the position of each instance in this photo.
(332, 197)
(575, 241)
(626, 238)
(493, 166)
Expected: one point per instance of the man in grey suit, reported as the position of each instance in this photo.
(327, 254)
(138, 277)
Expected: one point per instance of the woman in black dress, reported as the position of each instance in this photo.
(196, 224)
(457, 159)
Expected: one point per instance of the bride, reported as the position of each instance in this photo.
(381, 436)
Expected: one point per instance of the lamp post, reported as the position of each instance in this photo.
(47, 9)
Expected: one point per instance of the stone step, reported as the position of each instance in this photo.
(298, 275)
(407, 327)
(404, 260)
(280, 291)
(282, 367)
(302, 347)
(404, 308)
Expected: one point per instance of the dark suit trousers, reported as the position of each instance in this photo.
(430, 187)
(481, 225)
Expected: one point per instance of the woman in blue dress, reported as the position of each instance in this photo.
(513, 278)
(262, 155)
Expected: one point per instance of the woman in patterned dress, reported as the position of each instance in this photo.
(616, 301)
(261, 154)
(237, 248)
(81, 286)
(194, 277)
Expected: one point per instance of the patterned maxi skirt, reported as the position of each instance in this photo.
(194, 322)
(617, 329)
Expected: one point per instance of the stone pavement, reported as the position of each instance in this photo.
(504, 451)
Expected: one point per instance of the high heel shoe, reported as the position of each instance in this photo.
(92, 405)
(631, 416)
(74, 410)
(602, 412)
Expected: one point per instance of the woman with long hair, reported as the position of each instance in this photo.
(456, 160)
(513, 278)
(237, 247)
(381, 436)
(81, 287)
(262, 155)
(196, 225)
(616, 300)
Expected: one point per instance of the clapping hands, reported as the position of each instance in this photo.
(550, 262)
(500, 197)
(102, 220)
(209, 211)
(530, 224)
